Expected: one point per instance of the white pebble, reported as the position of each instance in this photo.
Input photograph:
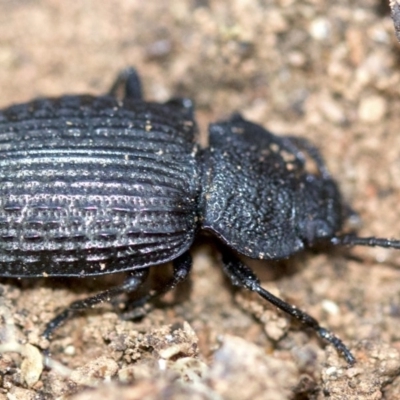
(372, 109)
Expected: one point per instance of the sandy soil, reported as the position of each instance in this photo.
(328, 71)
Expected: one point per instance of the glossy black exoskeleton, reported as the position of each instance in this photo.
(96, 185)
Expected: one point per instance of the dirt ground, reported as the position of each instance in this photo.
(328, 71)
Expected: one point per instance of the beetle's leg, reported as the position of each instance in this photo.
(299, 144)
(129, 82)
(131, 284)
(181, 269)
(182, 266)
(243, 276)
(186, 105)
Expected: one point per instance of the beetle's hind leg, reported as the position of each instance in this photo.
(182, 266)
(132, 283)
(128, 82)
(243, 276)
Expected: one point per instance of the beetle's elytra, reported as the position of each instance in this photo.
(96, 185)
(89, 186)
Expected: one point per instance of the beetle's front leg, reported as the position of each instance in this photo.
(244, 277)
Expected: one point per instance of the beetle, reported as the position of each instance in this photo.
(99, 185)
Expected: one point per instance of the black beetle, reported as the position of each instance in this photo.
(96, 185)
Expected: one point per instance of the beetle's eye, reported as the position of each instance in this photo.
(317, 229)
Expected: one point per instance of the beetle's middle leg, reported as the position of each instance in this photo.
(181, 269)
(244, 277)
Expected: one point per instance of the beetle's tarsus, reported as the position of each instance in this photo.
(338, 344)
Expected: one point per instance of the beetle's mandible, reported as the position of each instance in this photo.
(96, 185)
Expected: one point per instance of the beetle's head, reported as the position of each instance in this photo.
(321, 211)
(259, 198)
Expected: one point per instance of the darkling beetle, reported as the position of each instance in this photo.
(97, 185)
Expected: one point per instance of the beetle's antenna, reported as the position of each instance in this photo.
(353, 240)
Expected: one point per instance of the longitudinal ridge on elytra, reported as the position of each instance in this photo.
(92, 183)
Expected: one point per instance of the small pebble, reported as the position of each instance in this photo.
(372, 109)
